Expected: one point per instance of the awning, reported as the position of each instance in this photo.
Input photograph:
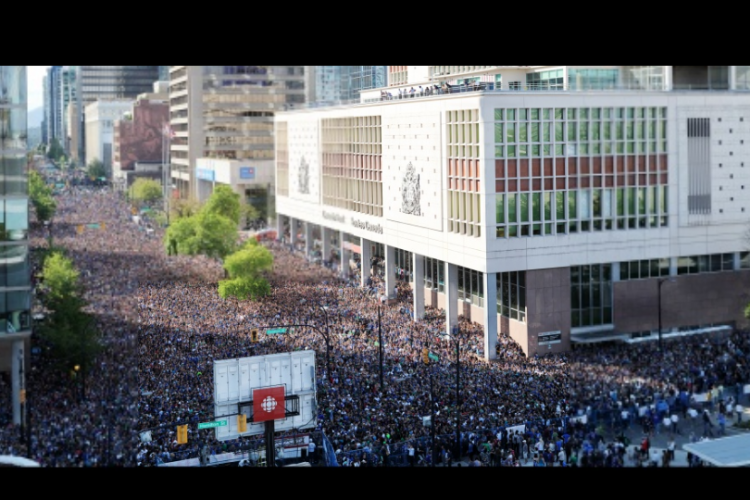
(733, 451)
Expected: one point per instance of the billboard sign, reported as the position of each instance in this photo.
(206, 174)
(268, 404)
(247, 173)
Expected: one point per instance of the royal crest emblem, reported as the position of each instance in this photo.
(304, 177)
(410, 192)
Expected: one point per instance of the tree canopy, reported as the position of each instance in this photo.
(40, 195)
(55, 150)
(225, 202)
(206, 233)
(95, 169)
(145, 190)
(246, 268)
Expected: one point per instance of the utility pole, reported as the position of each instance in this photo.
(380, 348)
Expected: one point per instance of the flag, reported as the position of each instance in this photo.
(268, 404)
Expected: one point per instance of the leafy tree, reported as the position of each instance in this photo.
(184, 208)
(248, 212)
(246, 268)
(40, 195)
(69, 330)
(95, 169)
(145, 190)
(55, 150)
(224, 201)
(206, 233)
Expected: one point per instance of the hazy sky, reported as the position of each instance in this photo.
(34, 76)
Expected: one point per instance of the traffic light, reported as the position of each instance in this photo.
(254, 335)
(182, 434)
(241, 423)
(426, 356)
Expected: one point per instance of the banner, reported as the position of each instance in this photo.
(268, 404)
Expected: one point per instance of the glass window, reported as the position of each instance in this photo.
(560, 205)
(499, 133)
(524, 207)
(511, 132)
(512, 208)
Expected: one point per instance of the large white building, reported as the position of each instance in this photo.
(100, 118)
(556, 215)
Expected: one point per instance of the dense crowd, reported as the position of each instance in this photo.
(164, 324)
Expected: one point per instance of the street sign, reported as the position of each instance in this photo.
(210, 425)
(275, 330)
(433, 357)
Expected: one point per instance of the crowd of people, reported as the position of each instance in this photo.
(163, 324)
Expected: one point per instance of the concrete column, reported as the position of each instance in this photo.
(451, 296)
(293, 232)
(737, 261)
(308, 238)
(732, 77)
(366, 256)
(673, 266)
(490, 315)
(390, 271)
(326, 235)
(344, 267)
(615, 271)
(17, 382)
(418, 285)
(279, 226)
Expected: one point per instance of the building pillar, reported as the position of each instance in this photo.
(293, 232)
(615, 271)
(390, 271)
(418, 285)
(673, 266)
(667, 78)
(737, 261)
(490, 316)
(366, 264)
(280, 227)
(326, 235)
(732, 77)
(17, 378)
(308, 238)
(451, 297)
(344, 264)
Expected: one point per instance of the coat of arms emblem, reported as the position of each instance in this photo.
(304, 177)
(410, 192)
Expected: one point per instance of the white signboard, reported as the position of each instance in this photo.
(413, 169)
(304, 159)
(236, 379)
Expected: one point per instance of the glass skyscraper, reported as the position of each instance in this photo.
(15, 276)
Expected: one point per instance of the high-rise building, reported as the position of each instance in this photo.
(560, 205)
(331, 84)
(226, 112)
(107, 82)
(15, 275)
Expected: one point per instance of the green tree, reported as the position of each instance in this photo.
(184, 207)
(206, 233)
(248, 212)
(40, 195)
(246, 268)
(145, 190)
(55, 150)
(69, 330)
(225, 202)
(95, 169)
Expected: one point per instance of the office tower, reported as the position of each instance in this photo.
(560, 205)
(15, 281)
(226, 112)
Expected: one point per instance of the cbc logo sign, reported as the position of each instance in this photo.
(268, 404)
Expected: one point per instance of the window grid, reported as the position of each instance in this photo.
(404, 265)
(434, 274)
(282, 159)
(464, 198)
(470, 286)
(352, 164)
(591, 295)
(569, 170)
(712, 263)
(643, 269)
(511, 295)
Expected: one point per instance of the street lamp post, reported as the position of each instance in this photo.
(660, 282)
(380, 348)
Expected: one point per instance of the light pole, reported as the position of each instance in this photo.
(455, 332)
(660, 282)
(380, 346)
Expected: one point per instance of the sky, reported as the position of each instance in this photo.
(34, 76)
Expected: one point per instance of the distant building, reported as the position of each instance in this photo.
(100, 118)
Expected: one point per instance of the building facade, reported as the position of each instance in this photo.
(15, 273)
(557, 217)
(226, 112)
(107, 83)
(140, 138)
(101, 116)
